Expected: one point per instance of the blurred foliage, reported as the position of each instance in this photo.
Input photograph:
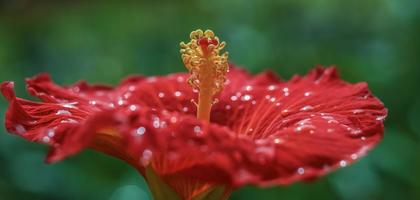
(376, 41)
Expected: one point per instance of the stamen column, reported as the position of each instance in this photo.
(207, 68)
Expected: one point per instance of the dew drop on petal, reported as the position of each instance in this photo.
(63, 112)
(354, 156)
(51, 132)
(356, 131)
(46, 139)
(306, 108)
(133, 107)
(380, 118)
(70, 105)
(271, 87)
(233, 98)
(228, 107)
(185, 109)
(161, 95)
(248, 88)
(70, 121)
(197, 130)
(343, 163)
(141, 130)
(20, 129)
(131, 88)
(278, 141)
(301, 170)
(120, 102)
(151, 79)
(180, 79)
(177, 93)
(173, 119)
(146, 156)
(358, 111)
(307, 94)
(156, 122)
(246, 97)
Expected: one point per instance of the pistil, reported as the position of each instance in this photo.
(207, 68)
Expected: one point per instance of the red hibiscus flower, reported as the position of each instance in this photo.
(230, 130)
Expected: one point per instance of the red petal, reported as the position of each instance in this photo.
(302, 128)
(317, 124)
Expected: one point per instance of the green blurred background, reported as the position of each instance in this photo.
(376, 41)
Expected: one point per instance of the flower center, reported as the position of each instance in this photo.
(207, 68)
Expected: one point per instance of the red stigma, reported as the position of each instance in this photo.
(205, 42)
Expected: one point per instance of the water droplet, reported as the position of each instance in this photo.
(307, 94)
(278, 104)
(248, 88)
(46, 139)
(177, 93)
(161, 95)
(254, 102)
(278, 141)
(76, 89)
(301, 170)
(356, 131)
(354, 156)
(380, 118)
(133, 107)
(343, 163)
(272, 99)
(185, 109)
(151, 79)
(63, 112)
(20, 129)
(267, 150)
(358, 111)
(120, 102)
(173, 119)
(146, 156)
(156, 122)
(228, 107)
(69, 105)
(180, 79)
(70, 121)
(197, 130)
(246, 97)
(141, 130)
(92, 102)
(50, 132)
(233, 98)
(271, 87)
(127, 95)
(306, 108)
(131, 88)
